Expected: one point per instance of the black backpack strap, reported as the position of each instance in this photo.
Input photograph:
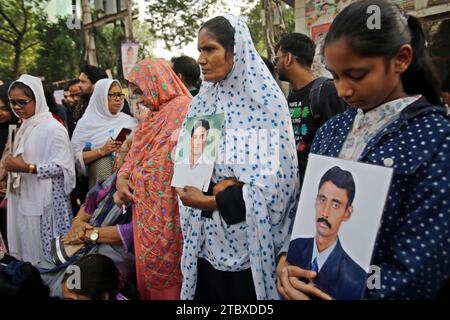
(314, 96)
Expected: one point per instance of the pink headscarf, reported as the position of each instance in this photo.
(158, 237)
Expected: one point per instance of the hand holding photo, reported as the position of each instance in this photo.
(337, 222)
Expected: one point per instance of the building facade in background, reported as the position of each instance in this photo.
(314, 17)
(311, 16)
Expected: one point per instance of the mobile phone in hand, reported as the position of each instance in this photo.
(123, 134)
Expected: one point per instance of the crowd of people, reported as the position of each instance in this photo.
(78, 199)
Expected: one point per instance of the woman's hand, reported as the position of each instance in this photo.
(15, 164)
(295, 283)
(69, 239)
(141, 113)
(78, 236)
(76, 233)
(194, 198)
(78, 226)
(224, 184)
(110, 146)
(124, 191)
(117, 200)
(87, 231)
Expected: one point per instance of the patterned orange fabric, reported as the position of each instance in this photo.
(157, 232)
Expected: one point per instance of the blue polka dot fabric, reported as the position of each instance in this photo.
(413, 243)
(58, 222)
(257, 147)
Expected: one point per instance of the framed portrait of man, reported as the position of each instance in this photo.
(337, 222)
(197, 151)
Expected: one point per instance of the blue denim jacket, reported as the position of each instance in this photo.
(413, 243)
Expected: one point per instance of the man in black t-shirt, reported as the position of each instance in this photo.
(312, 101)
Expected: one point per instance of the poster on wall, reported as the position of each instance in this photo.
(320, 12)
(318, 32)
(405, 4)
(129, 52)
(437, 2)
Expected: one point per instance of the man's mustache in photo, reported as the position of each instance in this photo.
(324, 220)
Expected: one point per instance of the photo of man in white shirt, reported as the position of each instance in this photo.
(196, 168)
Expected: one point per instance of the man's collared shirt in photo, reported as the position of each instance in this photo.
(321, 256)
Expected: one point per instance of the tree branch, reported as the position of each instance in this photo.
(25, 14)
(8, 31)
(3, 14)
(7, 41)
(30, 45)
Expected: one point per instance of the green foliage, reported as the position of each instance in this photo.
(60, 58)
(107, 40)
(6, 62)
(177, 21)
(288, 17)
(148, 44)
(254, 17)
(20, 24)
(55, 52)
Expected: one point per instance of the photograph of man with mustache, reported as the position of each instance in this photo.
(338, 274)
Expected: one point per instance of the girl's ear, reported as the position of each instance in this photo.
(403, 58)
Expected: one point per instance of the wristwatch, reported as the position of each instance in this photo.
(93, 237)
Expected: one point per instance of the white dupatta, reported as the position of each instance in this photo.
(40, 140)
(257, 148)
(98, 124)
(39, 150)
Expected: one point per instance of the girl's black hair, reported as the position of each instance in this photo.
(99, 274)
(25, 89)
(221, 29)
(395, 30)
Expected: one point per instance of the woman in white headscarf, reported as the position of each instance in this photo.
(232, 238)
(101, 123)
(41, 174)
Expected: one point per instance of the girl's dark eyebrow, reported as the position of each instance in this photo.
(357, 70)
(349, 70)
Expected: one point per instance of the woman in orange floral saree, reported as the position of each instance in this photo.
(146, 175)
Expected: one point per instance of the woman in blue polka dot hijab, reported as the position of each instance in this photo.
(232, 237)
